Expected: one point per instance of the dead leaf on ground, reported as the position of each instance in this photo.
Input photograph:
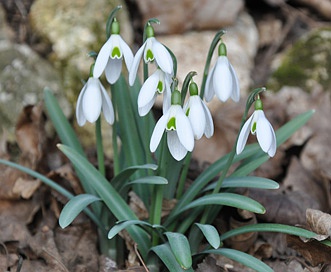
(319, 222)
(208, 265)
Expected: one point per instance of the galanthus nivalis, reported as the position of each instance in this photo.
(259, 125)
(151, 50)
(222, 79)
(112, 54)
(180, 138)
(198, 114)
(92, 99)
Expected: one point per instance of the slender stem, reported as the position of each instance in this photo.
(114, 139)
(183, 176)
(100, 153)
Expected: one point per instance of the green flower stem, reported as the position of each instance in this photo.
(100, 153)
(116, 162)
(183, 175)
(212, 47)
(110, 20)
(250, 101)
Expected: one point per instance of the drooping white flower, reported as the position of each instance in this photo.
(180, 138)
(157, 83)
(259, 125)
(111, 56)
(222, 79)
(198, 114)
(92, 99)
(151, 50)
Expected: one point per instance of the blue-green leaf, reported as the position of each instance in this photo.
(180, 247)
(167, 257)
(211, 234)
(150, 180)
(75, 205)
(124, 224)
(241, 257)
(227, 199)
(129, 171)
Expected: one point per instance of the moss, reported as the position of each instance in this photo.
(306, 63)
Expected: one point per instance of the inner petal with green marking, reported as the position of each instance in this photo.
(149, 55)
(253, 129)
(160, 87)
(116, 53)
(171, 125)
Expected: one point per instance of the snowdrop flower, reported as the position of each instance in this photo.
(180, 138)
(159, 82)
(92, 99)
(151, 50)
(259, 125)
(111, 55)
(198, 114)
(222, 79)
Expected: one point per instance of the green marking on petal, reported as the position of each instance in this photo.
(171, 125)
(116, 53)
(149, 55)
(187, 111)
(253, 128)
(160, 87)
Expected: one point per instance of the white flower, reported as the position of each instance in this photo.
(151, 50)
(157, 83)
(111, 56)
(92, 99)
(180, 137)
(259, 125)
(199, 116)
(222, 79)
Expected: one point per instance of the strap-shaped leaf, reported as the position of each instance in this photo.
(124, 224)
(211, 234)
(167, 257)
(241, 257)
(227, 199)
(74, 206)
(124, 175)
(180, 247)
(150, 180)
(246, 182)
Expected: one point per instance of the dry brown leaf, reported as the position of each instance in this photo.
(313, 251)
(319, 222)
(25, 188)
(208, 265)
(30, 134)
(138, 206)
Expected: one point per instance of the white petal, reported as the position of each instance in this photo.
(92, 100)
(209, 130)
(209, 88)
(81, 120)
(113, 70)
(236, 89)
(273, 146)
(184, 129)
(158, 132)
(146, 108)
(243, 135)
(177, 150)
(128, 55)
(107, 105)
(264, 132)
(102, 59)
(222, 79)
(135, 64)
(196, 116)
(148, 90)
(162, 57)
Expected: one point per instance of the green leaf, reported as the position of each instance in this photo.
(227, 199)
(125, 174)
(167, 257)
(246, 182)
(241, 257)
(211, 234)
(109, 195)
(269, 227)
(75, 205)
(124, 224)
(180, 248)
(150, 180)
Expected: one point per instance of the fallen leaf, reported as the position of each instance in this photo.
(319, 222)
(208, 265)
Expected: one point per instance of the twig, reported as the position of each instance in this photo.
(139, 257)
